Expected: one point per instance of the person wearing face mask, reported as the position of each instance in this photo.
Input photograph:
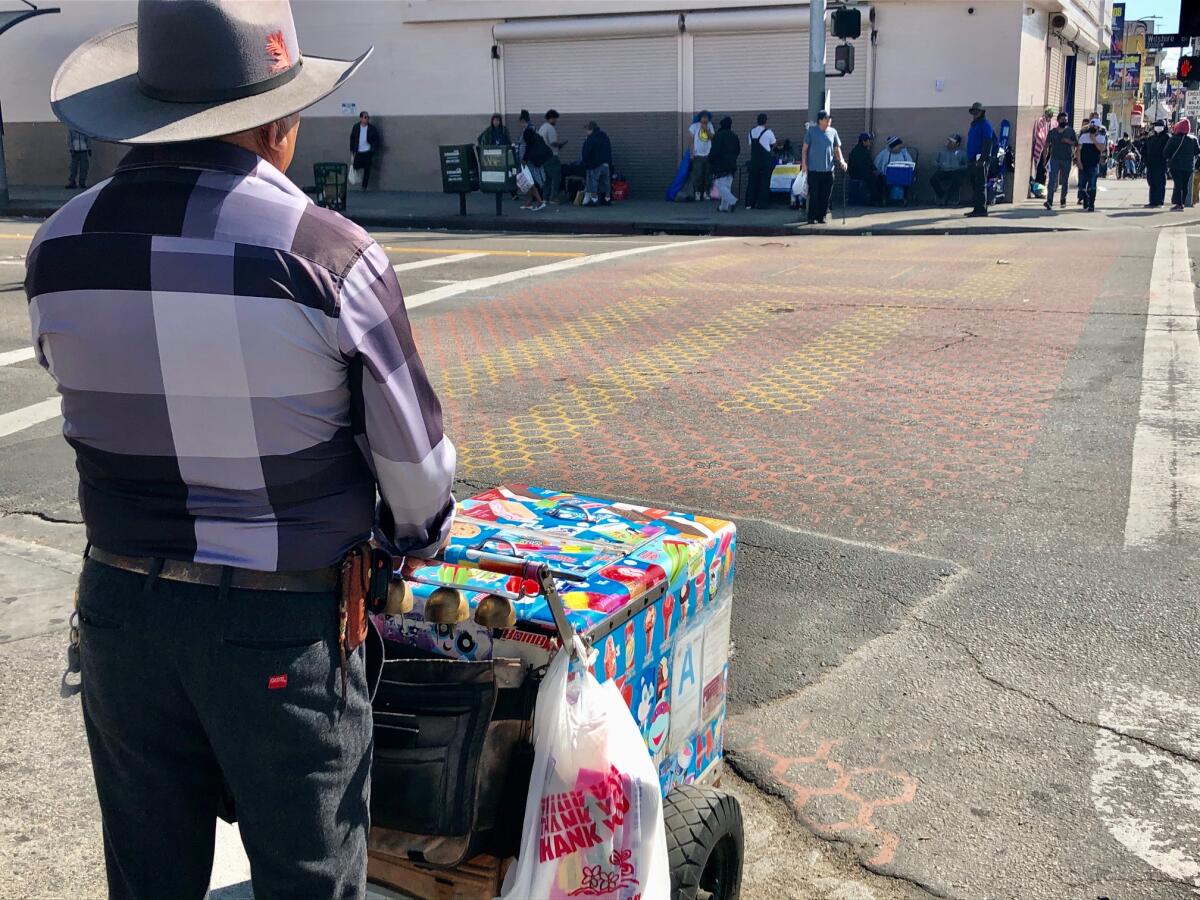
(1093, 147)
(1059, 151)
(1156, 164)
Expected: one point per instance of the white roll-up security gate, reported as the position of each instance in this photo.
(1055, 74)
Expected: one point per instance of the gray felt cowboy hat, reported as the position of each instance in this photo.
(192, 69)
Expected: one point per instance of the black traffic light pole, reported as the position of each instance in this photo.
(7, 21)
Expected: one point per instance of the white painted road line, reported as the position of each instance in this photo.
(437, 261)
(16, 356)
(477, 284)
(27, 417)
(1147, 798)
(1164, 486)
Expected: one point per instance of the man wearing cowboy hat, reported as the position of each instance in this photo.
(981, 139)
(238, 379)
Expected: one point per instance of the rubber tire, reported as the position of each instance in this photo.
(697, 820)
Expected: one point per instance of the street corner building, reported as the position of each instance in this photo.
(640, 68)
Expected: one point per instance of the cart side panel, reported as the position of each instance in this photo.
(671, 660)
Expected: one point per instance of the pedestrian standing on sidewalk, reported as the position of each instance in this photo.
(723, 162)
(701, 134)
(1041, 129)
(534, 154)
(549, 133)
(238, 379)
(495, 135)
(1093, 149)
(80, 147)
(596, 158)
(1059, 153)
(1155, 160)
(762, 163)
(1180, 153)
(364, 143)
(821, 147)
(981, 141)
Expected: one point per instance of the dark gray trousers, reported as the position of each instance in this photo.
(187, 688)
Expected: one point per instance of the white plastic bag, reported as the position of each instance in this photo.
(800, 185)
(353, 177)
(524, 180)
(593, 819)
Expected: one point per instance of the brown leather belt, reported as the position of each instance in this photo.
(314, 581)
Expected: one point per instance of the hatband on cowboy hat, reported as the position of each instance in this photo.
(193, 69)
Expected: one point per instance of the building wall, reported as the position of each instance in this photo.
(432, 80)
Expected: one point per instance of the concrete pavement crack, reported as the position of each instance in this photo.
(37, 514)
(1050, 704)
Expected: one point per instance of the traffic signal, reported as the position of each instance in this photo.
(846, 23)
(843, 58)
(1189, 18)
(1189, 71)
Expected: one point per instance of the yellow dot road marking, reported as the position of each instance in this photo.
(803, 378)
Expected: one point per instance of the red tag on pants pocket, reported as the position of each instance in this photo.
(275, 682)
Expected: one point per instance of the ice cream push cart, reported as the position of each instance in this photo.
(467, 638)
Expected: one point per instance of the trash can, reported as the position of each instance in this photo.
(331, 180)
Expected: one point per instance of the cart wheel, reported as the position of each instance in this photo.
(704, 843)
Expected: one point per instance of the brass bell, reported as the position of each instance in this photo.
(495, 611)
(399, 598)
(446, 606)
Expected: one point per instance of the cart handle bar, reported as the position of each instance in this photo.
(521, 568)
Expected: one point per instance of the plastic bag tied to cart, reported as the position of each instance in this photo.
(593, 818)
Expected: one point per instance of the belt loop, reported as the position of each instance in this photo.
(87, 549)
(156, 567)
(226, 581)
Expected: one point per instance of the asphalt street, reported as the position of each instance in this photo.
(966, 474)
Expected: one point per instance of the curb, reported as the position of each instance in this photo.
(516, 224)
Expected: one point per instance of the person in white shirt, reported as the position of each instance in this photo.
(762, 163)
(364, 141)
(553, 166)
(701, 132)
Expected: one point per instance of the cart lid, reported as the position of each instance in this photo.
(605, 555)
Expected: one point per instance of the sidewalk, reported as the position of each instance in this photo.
(1120, 204)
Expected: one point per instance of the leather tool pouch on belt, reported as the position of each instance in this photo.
(366, 572)
(452, 758)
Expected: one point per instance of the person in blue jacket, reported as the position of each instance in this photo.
(981, 139)
(597, 164)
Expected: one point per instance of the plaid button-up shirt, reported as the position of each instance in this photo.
(237, 370)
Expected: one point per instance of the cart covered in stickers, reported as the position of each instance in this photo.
(467, 638)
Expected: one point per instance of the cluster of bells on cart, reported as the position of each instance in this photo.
(448, 606)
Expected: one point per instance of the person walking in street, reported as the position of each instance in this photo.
(1059, 154)
(80, 147)
(534, 154)
(981, 141)
(701, 134)
(238, 380)
(548, 131)
(1180, 153)
(951, 166)
(596, 158)
(821, 147)
(726, 148)
(1093, 151)
(1154, 155)
(762, 163)
(495, 135)
(364, 142)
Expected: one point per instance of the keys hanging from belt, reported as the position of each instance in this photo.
(68, 687)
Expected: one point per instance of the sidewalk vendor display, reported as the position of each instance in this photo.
(546, 608)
